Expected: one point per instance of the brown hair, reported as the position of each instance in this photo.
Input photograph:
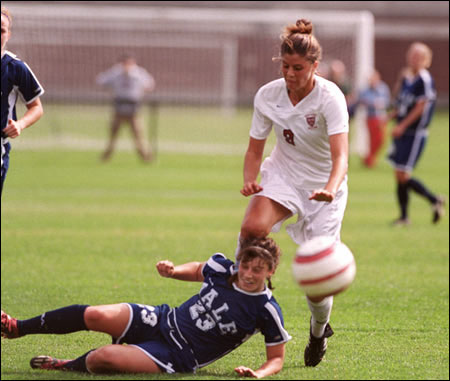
(299, 39)
(6, 13)
(264, 248)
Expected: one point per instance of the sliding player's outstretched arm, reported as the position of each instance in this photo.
(274, 363)
(191, 271)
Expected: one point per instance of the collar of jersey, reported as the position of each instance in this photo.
(266, 291)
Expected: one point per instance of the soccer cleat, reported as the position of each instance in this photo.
(9, 327)
(316, 348)
(48, 363)
(401, 222)
(438, 209)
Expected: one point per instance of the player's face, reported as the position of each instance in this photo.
(5, 32)
(415, 59)
(298, 72)
(252, 275)
(129, 64)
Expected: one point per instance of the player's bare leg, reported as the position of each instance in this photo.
(120, 358)
(111, 319)
(261, 215)
(114, 358)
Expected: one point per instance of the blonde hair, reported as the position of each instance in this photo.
(425, 50)
(299, 39)
(7, 14)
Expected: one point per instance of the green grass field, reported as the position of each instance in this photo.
(75, 230)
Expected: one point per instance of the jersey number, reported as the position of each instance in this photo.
(289, 136)
(148, 316)
(206, 318)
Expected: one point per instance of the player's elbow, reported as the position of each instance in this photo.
(278, 363)
(39, 111)
(275, 365)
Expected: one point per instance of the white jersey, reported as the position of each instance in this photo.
(302, 153)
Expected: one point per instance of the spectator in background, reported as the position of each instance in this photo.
(17, 80)
(413, 111)
(375, 98)
(129, 83)
(337, 73)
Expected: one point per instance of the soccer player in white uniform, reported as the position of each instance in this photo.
(306, 173)
(129, 83)
(232, 305)
(17, 80)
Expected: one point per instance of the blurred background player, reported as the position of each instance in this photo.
(337, 73)
(129, 83)
(306, 173)
(413, 112)
(17, 79)
(375, 99)
(232, 305)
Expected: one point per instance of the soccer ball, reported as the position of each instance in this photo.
(323, 267)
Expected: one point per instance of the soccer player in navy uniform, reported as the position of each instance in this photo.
(413, 112)
(233, 304)
(17, 80)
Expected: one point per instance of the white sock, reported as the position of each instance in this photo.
(320, 315)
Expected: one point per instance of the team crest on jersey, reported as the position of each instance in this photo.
(311, 120)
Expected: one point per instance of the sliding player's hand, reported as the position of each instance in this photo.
(243, 371)
(165, 269)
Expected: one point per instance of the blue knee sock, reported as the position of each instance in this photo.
(403, 199)
(64, 320)
(79, 364)
(420, 189)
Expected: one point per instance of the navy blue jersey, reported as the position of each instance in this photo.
(222, 316)
(412, 90)
(17, 79)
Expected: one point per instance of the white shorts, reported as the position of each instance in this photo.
(314, 217)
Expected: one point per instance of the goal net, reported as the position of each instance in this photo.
(198, 57)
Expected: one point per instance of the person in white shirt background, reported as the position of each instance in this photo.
(306, 173)
(129, 83)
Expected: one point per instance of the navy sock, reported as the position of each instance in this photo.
(64, 320)
(420, 189)
(79, 364)
(403, 199)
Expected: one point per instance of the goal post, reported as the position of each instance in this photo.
(198, 56)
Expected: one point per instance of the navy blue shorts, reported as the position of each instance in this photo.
(148, 330)
(406, 150)
(5, 161)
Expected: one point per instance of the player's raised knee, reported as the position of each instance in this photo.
(92, 316)
(102, 360)
(254, 229)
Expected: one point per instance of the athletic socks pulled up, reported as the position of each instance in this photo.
(64, 320)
